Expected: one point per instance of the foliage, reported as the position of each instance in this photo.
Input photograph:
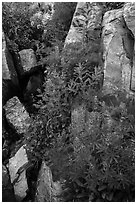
(82, 67)
(95, 166)
(102, 169)
(113, 5)
(57, 28)
(16, 23)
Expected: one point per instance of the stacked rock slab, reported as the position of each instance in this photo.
(129, 16)
(28, 60)
(10, 84)
(17, 116)
(17, 173)
(117, 66)
(47, 190)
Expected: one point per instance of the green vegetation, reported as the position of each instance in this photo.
(95, 166)
(99, 166)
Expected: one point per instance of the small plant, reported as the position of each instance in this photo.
(103, 168)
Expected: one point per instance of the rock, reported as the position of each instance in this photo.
(118, 52)
(17, 116)
(87, 16)
(47, 190)
(18, 173)
(28, 60)
(10, 83)
(129, 15)
(7, 188)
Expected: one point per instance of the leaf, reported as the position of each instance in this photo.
(110, 196)
(79, 183)
(103, 195)
(81, 195)
(101, 188)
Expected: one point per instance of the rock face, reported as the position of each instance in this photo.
(129, 16)
(47, 190)
(7, 189)
(10, 84)
(18, 173)
(28, 60)
(16, 115)
(87, 18)
(118, 41)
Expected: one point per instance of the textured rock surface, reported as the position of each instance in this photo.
(87, 16)
(7, 189)
(18, 176)
(28, 60)
(16, 115)
(8, 69)
(10, 80)
(47, 190)
(117, 48)
(129, 15)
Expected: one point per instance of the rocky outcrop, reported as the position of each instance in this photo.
(129, 16)
(118, 41)
(17, 173)
(10, 83)
(87, 18)
(28, 60)
(7, 188)
(47, 190)
(17, 116)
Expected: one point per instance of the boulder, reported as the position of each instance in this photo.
(47, 190)
(16, 115)
(10, 83)
(17, 173)
(87, 16)
(129, 15)
(7, 188)
(118, 54)
(28, 60)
